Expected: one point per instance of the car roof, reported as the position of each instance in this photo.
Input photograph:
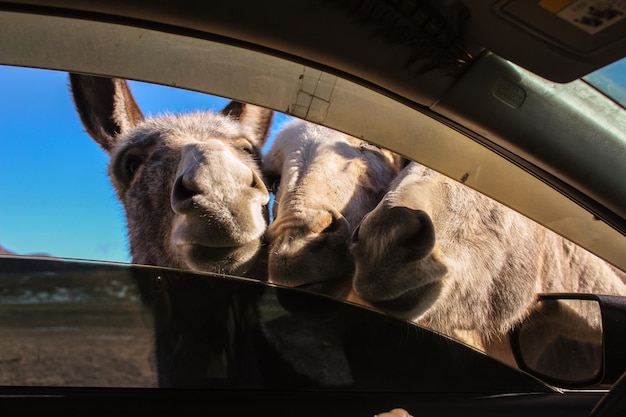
(468, 88)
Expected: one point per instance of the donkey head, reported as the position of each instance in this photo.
(327, 181)
(438, 253)
(397, 265)
(190, 184)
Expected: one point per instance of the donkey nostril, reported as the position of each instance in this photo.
(183, 190)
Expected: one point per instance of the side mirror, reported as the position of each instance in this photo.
(573, 340)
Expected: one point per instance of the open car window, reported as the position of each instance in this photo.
(58, 304)
(71, 322)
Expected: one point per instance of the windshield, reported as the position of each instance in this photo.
(611, 80)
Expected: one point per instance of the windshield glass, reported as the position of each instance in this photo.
(611, 80)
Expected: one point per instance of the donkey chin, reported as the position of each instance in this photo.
(406, 290)
(215, 249)
(312, 264)
(234, 260)
(412, 304)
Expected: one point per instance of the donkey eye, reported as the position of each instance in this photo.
(128, 164)
(132, 165)
(246, 147)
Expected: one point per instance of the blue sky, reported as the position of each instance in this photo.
(611, 80)
(55, 196)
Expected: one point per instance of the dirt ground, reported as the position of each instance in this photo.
(80, 345)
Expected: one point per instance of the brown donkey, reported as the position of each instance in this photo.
(327, 182)
(442, 255)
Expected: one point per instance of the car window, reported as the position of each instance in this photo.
(51, 151)
(69, 323)
(610, 80)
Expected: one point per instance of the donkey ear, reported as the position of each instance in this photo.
(259, 118)
(106, 107)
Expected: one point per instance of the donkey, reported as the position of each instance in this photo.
(190, 184)
(447, 257)
(324, 183)
(194, 199)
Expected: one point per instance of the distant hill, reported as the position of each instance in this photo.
(5, 251)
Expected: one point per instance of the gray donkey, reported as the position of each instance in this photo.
(194, 199)
(190, 184)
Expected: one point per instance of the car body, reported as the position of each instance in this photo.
(482, 78)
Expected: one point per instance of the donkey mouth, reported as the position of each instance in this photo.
(226, 232)
(411, 303)
(219, 259)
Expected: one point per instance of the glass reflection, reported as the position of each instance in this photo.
(119, 325)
